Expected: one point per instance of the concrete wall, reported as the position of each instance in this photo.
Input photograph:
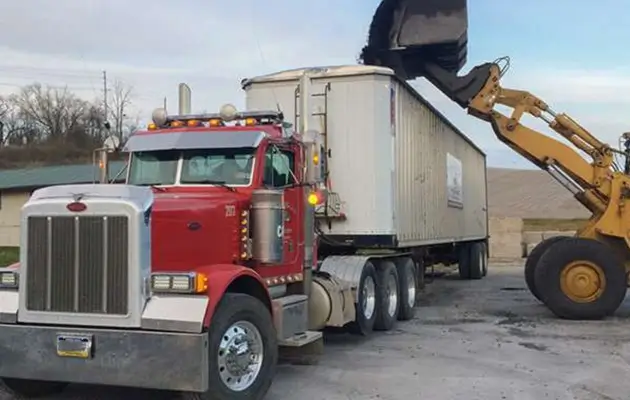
(10, 206)
(532, 238)
(506, 236)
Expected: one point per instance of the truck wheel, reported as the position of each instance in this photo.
(366, 302)
(243, 350)
(28, 389)
(389, 299)
(581, 279)
(476, 261)
(532, 262)
(408, 289)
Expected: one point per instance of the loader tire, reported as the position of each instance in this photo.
(239, 319)
(532, 262)
(28, 389)
(581, 279)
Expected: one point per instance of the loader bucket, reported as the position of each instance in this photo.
(406, 35)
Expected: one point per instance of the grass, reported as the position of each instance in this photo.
(9, 255)
(553, 224)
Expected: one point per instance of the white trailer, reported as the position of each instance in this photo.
(401, 175)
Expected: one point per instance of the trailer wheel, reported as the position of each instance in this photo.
(389, 299)
(463, 261)
(408, 282)
(243, 350)
(581, 279)
(28, 389)
(476, 261)
(532, 262)
(367, 302)
(484, 249)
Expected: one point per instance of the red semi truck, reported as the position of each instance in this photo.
(236, 234)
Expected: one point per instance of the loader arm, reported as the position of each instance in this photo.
(596, 184)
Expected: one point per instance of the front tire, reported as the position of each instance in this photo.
(243, 350)
(581, 279)
(28, 389)
(532, 262)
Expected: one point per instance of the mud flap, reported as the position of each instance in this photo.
(405, 35)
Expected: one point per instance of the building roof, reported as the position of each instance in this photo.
(530, 194)
(28, 178)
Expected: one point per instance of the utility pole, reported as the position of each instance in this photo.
(106, 110)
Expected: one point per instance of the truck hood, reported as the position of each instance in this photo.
(194, 229)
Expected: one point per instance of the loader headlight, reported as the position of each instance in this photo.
(9, 280)
(179, 283)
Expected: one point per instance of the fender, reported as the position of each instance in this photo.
(221, 276)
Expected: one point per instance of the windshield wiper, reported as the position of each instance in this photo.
(213, 182)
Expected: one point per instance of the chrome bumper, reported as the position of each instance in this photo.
(143, 359)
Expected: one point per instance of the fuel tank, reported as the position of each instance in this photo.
(406, 35)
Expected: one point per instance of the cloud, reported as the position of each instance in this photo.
(154, 45)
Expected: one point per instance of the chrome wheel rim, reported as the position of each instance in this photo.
(411, 289)
(240, 356)
(369, 297)
(392, 295)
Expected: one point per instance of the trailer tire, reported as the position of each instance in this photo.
(581, 279)
(408, 283)
(388, 286)
(484, 248)
(532, 262)
(29, 389)
(463, 261)
(367, 302)
(476, 261)
(240, 316)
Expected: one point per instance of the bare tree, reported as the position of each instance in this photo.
(121, 101)
(56, 113)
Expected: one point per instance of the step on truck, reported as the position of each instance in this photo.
(236, 234)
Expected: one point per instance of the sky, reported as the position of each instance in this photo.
(569, 53)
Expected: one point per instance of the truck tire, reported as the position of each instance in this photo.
(408, 283)
(238, 319)
(388, 287)
(367, 301)
(476, 261)
(28, 389)
(581, 279)
(532, 262)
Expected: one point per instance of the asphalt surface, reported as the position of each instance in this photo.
(471, 340)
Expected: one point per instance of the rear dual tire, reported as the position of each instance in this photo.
(473, 261)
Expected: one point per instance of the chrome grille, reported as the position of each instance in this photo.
(77, 264)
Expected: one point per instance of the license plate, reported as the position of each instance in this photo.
(75, 346)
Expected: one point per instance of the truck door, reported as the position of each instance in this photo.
(280, 172)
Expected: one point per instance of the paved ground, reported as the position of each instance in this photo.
(482, 340)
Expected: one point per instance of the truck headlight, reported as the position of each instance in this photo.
(9, 279)
(191, 282)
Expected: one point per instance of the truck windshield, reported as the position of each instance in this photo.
(198, 167)
(154, 167)
(221, 166)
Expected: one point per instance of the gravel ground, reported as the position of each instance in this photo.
(471, 340)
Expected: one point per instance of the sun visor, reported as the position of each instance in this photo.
(193, 140)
